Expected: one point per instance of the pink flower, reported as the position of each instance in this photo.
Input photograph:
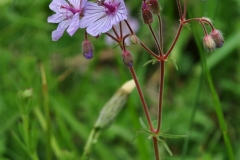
(67, 15)
(100, 17)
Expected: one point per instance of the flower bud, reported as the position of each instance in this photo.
(112, 108)
(209, 43)
(127, 58)
(134, 39)
(155, 7)
(217, 37)
(146, 13)
(87, 49)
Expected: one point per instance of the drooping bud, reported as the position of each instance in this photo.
(217, 37)
(87, 49)
(155, 7)
(146, 13)
(134, 39)
(209, 43)
(127, 58)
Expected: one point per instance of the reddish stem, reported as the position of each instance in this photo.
(121, 34)
(180, 10)
(199, 20)
(85, 35)
(185, 9)
(155, 145)
(174, 42)
(204, 28)
(155, 38)
(123, 41)
(144, 105)
(114, 30)
(160, 34)
(160, 100)
(129, 27)
(148, 50)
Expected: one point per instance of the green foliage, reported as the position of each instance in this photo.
(77, 89)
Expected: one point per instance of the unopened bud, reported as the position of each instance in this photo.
(134, 39)
(127, 58)
(146, 13)
(209, 43)
(87, 49)
(155, 7)
(112, 108)
(217, 37)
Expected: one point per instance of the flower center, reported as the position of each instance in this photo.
(110, 8)
(71, 9)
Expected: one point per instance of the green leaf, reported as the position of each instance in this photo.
(172, 136)
(140, 132)
(174, 62)
(142, 123)
(165, 146)
(153, 61)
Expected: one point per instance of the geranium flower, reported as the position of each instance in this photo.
(101, 16)
(67, 15)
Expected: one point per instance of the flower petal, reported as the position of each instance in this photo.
(60, 29)
(82, 3)
(57, 34)
(55, 18)
(92, 12)
(74, 25)
(121, 12)
(64, 24)
(101, 26)
(55, 5)
(75, 3)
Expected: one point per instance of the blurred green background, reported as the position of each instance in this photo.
(78, 88)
